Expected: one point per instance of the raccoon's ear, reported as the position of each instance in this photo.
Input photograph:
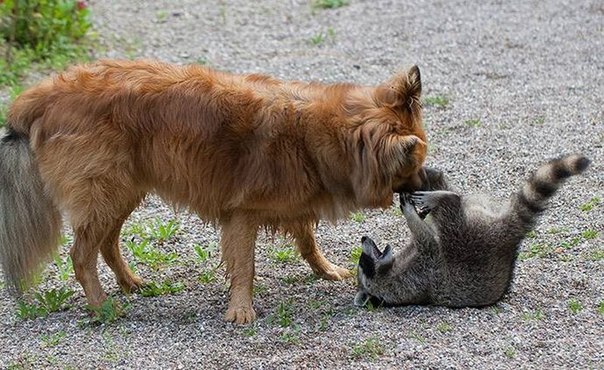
(402, 91)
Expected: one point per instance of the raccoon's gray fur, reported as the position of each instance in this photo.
(463, 253)
(30, 224)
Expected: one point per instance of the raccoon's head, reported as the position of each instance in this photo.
(373, 264)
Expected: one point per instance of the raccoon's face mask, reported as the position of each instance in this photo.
(373, 263)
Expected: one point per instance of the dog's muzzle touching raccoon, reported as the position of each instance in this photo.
(463, 248)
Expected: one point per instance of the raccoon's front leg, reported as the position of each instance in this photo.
(444, 206)
(422, 232)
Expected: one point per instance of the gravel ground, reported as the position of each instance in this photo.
(524, 82)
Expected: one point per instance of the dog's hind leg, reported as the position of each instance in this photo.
(110, 250)
(84, 254)
(237, 243)
(304, 235)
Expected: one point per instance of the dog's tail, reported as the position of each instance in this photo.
(30, 223)
(532, 199)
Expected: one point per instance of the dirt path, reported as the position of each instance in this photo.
(508, 85)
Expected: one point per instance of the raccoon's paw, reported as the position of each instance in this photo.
(406, 204)
(424, 200)
(240, 314)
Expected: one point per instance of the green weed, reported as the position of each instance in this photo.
(109, 311)
(535, 250)
(438, 101)
(65, 267)
(473, 123)
(250, 331)
(597, 255)
(321, 37)
(284, 316)
(510, 352)
(163, 231)
(600, 308)
(150, 255)
(444, 327)
(54, 339)
(207, 276)
(52, 300)
(537, 314)
(154, 289)
(290, 335)
(285, 254)
(574, 306)
(589, 234)
(355, 255)
(204, 253)
(357, 217)
(591, 204)
(328, 4)
(371, 348)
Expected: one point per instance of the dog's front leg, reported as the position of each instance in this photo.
(238, 243)
(303, 233)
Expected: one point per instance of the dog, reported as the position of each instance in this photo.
(463, 249)
(242, 151)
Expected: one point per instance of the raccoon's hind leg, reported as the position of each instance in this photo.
(420, 230)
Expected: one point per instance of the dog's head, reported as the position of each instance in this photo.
(388, 141)
(373, 265)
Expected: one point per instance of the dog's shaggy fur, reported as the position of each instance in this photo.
(244, 151)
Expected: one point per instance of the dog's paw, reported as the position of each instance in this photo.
(240, 315)
(334, 272)
(131, 284)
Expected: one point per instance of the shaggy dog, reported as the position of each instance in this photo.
(243, 151)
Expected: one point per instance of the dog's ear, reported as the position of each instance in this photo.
(401, 153)
(402, 91)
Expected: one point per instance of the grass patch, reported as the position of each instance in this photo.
(600, 308)
(328, 4)
(371, 348)
(437, 101)
(154, 289)
(589, 205)
(52, 300)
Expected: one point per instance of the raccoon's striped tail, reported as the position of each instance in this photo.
(30, 223)
(541, 186)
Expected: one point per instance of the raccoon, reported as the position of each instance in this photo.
(463, 248)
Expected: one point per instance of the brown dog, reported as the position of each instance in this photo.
(244, 151)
